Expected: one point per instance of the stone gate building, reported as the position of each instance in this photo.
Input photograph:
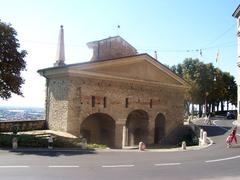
(119, 98)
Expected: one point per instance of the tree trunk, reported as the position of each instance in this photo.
(227, 105)
(209, 107)
(192, 110)
(213, 107)
(200, 110)
(222, 106)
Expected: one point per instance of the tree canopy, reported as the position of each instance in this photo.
(11, 62)
(209, 86)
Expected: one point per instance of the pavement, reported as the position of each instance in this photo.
(127, 149)
(212, 162)
(188, 148)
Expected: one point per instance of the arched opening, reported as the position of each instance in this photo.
(137, 127)
(99, 128)
(159, 128)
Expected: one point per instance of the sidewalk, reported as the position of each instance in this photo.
(188, 148)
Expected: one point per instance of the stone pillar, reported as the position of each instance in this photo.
(151, 131)
(126, 142)
(124, 134)
(131, 138)
(118, 135)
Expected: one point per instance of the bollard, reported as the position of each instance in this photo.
(201, 134)
(84, 143)
(50, 142)
(141, 146)
(14, 143)
(184, 146)
(204, 141)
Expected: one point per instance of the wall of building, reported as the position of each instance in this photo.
(57, 102)
(168, 101)
(111, 48)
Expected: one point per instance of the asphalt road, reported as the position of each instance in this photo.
(214, 162)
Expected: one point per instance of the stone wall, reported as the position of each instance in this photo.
(57, 102)
(70, 102)
(6, 126)
(153, 100)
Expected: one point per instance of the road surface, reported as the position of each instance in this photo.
(214, 162)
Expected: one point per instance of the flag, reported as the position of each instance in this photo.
(217, 56)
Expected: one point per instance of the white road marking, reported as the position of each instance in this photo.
(14, 166)
(168, 164)
(118, 166)
(63, 166)
(214, 122)
(223, 159)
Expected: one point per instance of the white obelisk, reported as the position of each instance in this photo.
(60, 49)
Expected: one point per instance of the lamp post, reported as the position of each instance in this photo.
(228, 94)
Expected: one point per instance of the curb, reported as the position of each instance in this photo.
(189, 148)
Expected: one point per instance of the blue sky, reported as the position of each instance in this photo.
(174, 28)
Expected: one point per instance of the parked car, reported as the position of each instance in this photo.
(230, 115)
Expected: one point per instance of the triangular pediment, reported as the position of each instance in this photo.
(139, 68)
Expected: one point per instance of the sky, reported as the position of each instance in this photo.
(176, 29)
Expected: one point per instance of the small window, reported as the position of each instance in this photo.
(150, 103)
(93, 101)
(126, 103)
(104, 102)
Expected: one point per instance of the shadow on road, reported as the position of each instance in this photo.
(214, 130)
(235, 146)
(50, 153)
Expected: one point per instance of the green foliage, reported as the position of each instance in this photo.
(15, 129)
(11, 62)
(5, 140)
(25, 140)
(31, 141)
(207, 84)
(100, 146)
(66, 142)
(191, 140)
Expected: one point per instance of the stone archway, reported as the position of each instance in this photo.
(137, 127)
(99, 128)
(159, 128)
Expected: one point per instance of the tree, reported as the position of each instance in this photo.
(11, 62)
(209, 86)
(189, 70)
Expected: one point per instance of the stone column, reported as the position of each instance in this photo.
(124, 136)
(126, 142)
(151, 132)
(118, 135)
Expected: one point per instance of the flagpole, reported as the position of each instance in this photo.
(118, 29)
